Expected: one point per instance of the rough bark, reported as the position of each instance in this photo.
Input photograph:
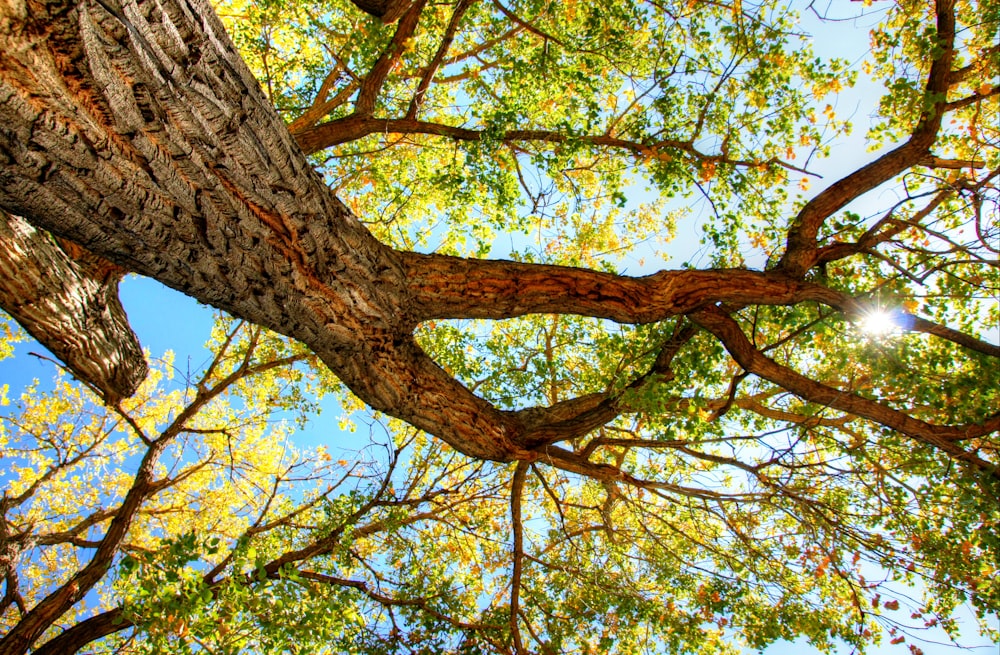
(67, 299)
(136, 131)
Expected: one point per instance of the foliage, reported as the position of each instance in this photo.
(716, 507)
(245, 543)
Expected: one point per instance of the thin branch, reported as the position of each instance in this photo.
(516, 490)
(943, 438)
(432, 67)
(357, 126)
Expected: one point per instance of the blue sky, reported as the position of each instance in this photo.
(167, 320)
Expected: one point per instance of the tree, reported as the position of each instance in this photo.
(732, 398)
(215, 482)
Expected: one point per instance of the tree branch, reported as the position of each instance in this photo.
(516, 490)
(442, 51)
(375, 79)
(800, 253)
(351, 128)
(67, 299)
(943, 438)
(442, 286)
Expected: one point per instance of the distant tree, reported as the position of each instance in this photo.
(701, 450)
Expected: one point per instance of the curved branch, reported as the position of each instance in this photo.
(85, 632)
(800, 253)
(944, 438)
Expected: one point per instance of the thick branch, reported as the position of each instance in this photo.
(67, 299)
(388, 11)
(516, 490)
(918, 324)
(85, 632)
(138, 132)
(450, 287)
(224, 209)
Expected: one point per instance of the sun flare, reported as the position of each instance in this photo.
(879, 322)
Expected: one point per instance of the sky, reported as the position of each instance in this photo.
(167, 320)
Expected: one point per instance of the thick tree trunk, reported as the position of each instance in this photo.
(70, 305)
(138, 132)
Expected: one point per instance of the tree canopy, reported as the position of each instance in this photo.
(459, 215)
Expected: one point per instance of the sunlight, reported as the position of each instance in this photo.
(879, 322)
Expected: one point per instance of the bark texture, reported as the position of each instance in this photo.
(134, 129)
(137, 131)
(388, 11)
(67, 299)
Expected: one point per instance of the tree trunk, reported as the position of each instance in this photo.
(138, 132)
(70, 305)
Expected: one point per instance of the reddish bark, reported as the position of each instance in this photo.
(137, 132)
